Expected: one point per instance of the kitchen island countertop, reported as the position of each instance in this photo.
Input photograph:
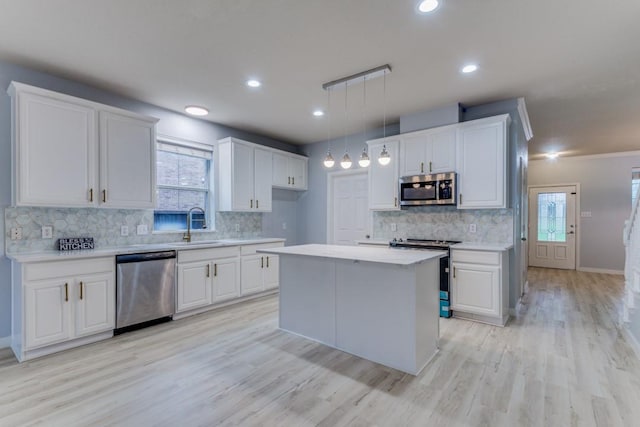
(358, 253)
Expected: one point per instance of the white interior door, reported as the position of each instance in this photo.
(349, 216)
(552, 230)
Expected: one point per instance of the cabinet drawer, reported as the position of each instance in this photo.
(193, 255)
(476, 257)
(251, 249)
(53, 269)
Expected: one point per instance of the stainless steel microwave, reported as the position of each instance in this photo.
(436, 189)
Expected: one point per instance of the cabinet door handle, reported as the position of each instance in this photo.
(81, 290)
(251, 203)
(215, 270)
(293, 180)
(261, 262)
(289, 180)
(66, 292)
(430, 169)
(395, 202)
(208, 270)
(421, 167)
(267, 262)
(460, 198)
(91, 194)
(257, 204)
(104, 196)
(454, 272)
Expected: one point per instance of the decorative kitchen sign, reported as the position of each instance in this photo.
(75, 244)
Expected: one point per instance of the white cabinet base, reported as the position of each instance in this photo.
(489, 320)
(215, 306)
(23, 355)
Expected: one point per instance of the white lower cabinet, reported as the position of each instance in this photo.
(480, 285)
(259, 272)
(61, 304)
(207, 276)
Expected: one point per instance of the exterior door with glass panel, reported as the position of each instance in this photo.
(552, 227)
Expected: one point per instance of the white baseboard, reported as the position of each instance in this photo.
(5, 342)
(600, 270)
(631, 339)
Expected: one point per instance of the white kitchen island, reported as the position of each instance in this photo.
(377, 303)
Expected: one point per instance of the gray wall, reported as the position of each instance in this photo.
(605, 191)
(430, 119)
(171, 123)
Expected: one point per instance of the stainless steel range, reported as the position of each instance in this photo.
(434, 245)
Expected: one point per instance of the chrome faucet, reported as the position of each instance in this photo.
(187, 236)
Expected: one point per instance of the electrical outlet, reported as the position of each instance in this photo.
(284, 225)
(142, 229)
(585, 214)
(16, 233)
(237, 228)
(472, 228)
(394, 226)
(124, 230)
(47, 232)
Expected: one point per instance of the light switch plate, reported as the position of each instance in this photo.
(472, 228)
(237, 228)
(124, 230)
(47, 232)
(394, 226)
(142, 229)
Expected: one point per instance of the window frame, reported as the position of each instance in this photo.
(186, 145)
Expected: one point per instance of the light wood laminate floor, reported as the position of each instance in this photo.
(562, 361)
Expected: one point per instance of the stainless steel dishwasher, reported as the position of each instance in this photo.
(145, 289)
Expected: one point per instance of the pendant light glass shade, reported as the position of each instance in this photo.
(328, 160)
(346, 163)
(384, 158)
(364, 160)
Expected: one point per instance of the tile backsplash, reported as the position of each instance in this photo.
(104, 226)
(446, 223)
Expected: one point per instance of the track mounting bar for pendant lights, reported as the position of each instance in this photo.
(358, 77)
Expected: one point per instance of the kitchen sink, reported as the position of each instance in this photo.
(199, 243)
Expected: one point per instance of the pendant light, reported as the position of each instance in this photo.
(364, 160)
(345, 163)
(328, 160)
(384, 158)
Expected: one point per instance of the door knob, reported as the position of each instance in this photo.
(524, 239)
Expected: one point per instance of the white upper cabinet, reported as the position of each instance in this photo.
(289, 171)
(383, 180)
(481, 147)
(70, 152)
(428, 151)
(244, 176)
(127, 161)
(55, 151)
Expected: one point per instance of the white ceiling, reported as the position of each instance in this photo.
(576, 62)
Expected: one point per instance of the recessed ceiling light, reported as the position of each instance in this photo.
(470, 68)
(552, 155)
(427, 6)
(194, 110)
(254, 83)
(318, 113)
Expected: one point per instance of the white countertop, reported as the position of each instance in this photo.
(494, 247)
(130, 249)
(358, 253)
